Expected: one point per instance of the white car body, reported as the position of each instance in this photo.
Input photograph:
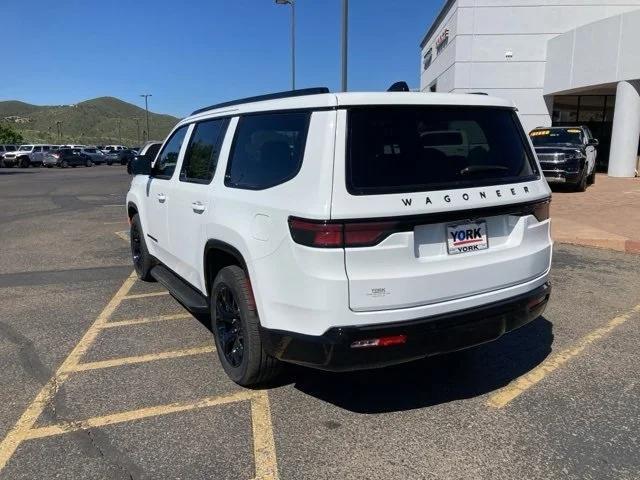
(308, 291)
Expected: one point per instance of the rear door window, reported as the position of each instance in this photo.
(201, 158)
(267, 150)
(422, 148)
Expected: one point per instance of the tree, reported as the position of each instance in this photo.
(9, 135)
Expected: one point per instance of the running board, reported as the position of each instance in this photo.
(188, 296)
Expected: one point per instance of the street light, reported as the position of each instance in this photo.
(146, 107)
(345, 29)
(293, 39)
(138, 125)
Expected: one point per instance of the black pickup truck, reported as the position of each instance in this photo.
(567, 155)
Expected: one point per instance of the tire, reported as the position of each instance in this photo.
(24, 163)
(591, 179)
(88, 163)
(109, 163)
(235, 326)
(64, 164)
(142, 260)
(581, 186)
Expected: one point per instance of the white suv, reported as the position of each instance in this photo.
(335, 231)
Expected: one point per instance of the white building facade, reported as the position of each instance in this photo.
(562, 62)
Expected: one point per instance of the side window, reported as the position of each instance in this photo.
(267, 150)
(201, 158)
(37, 149)
(165, 164)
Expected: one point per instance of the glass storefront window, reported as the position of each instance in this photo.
(591, 108)
(565, 108)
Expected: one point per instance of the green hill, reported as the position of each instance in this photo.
(104, 120)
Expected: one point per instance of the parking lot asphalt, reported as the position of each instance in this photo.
(105, 376)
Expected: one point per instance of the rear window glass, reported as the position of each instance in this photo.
(556, 136)
(267, 150)
(410, 149)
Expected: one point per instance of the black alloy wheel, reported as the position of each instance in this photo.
(229, 326)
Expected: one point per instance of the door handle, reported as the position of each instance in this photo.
(198, 207)
(162, 197)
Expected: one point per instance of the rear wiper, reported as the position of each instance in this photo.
(482, 168)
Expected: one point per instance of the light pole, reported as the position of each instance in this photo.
(146, 107)
(58, 123)
(119, 132)
(138, 125)
(345, 31)
(293, 39)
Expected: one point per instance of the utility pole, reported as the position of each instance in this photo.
(293, 39)
(345, 31)
(138, 125)
(119, 132)
(146, 107)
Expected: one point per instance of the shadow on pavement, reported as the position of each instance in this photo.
(433, 380)
(15, 172)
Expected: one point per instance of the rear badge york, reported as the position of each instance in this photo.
(378, 292)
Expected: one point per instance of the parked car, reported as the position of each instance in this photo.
(112, 148)
(67, 157)
(147, 153)
(120, 156)
(26, 156)
(567, 155)
(4, 149)
(97, 157)
(319, 229)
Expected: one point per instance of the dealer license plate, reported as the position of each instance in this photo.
(467, 237)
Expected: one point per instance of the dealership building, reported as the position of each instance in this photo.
(562, 62)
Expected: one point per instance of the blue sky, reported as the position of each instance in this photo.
(193, 53)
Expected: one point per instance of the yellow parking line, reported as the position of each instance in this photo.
(264, 448)
(551, 364)
(145, 295)
(143, 320)
(20, 430)
(123, 235)
(152, 357)
(138, 414)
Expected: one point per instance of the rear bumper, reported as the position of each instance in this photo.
(425, 336)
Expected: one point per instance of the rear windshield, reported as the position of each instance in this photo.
(421, 148)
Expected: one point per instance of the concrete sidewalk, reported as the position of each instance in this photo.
(607, 215)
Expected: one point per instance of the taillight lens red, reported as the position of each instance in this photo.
(541, 210)
(324, 234)
(316, 234)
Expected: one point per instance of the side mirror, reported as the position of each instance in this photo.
(139, 165)
(594, 142)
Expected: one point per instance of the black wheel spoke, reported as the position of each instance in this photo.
(228, 326)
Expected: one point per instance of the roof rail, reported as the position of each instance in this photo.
(477, 93)
(269, 96)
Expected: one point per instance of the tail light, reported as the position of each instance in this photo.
(541, 210)
(326, 234)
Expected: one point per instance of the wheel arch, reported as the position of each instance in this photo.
(132, 209)
(217, 255)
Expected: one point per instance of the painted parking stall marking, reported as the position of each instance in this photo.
(25, 430)
(517, 387)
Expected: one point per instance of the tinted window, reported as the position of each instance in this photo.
(152, 151)
(166, 162)
(202, 155)
(556, 136)
(408, 149)
(267, 150)
(11, 148)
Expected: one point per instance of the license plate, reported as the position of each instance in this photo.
(467, 237)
